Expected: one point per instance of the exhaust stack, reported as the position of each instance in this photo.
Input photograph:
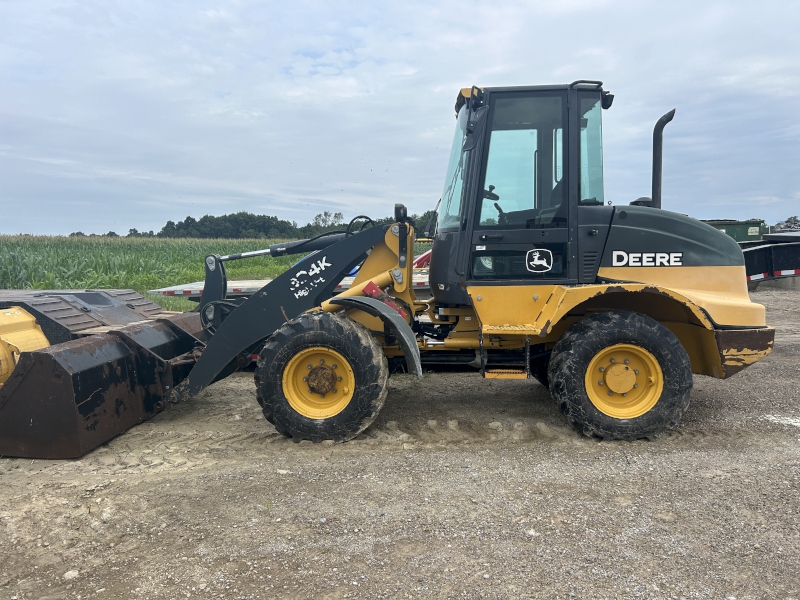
(658, 147)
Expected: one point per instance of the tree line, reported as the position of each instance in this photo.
(245, 225)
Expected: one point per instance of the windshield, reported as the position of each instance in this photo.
(454, 181)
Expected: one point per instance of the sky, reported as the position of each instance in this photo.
(119, 115)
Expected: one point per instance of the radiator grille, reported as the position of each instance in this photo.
(589, 266)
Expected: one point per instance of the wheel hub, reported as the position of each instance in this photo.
(624, 381)
(620, 378)
(318, 382)
(321, 379)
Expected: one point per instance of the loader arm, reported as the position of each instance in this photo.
(303, 287)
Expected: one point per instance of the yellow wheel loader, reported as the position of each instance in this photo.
(532, 273)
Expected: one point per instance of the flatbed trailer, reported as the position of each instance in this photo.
(774, 257)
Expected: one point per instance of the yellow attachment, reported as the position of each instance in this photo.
(382, 267)
(318, 382)
(381, 280)
(19, 332)
(624, 381)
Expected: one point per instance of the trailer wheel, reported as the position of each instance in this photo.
(620, 375)
(321, 377)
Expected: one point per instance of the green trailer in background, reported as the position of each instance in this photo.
(741, 231)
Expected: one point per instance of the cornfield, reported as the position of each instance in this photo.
(52, 263)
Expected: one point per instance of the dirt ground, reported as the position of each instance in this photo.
(463, 487)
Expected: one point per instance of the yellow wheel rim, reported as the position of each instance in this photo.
(318, 382)
(624, 381)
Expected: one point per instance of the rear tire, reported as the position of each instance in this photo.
(321, 377)
(620, 375)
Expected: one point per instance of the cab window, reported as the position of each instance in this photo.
(522, 184)
(591, 153)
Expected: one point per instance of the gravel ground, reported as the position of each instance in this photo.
(462, 487)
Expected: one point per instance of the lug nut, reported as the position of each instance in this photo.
(339, 378)
(335, 390)
(624, 395)
(309, 366)
(636, 371)
(635, 385)
(333, 366)
(599, 383)
(627, 361)
(322, 361)
(602, 369)
(610, 393)
(322, 395)
(613, 360)
(305, 378)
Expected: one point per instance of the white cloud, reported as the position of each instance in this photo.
(147, 111)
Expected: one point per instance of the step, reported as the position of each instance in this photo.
(505, 374)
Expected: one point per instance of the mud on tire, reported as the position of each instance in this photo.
(594, 335)
(347, 338)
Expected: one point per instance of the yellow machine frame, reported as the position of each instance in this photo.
(702, 306)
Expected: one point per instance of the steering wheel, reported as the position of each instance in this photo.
(490, 195)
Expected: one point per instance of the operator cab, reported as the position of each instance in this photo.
(525, 176)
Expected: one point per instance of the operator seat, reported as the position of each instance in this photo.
(555, 215)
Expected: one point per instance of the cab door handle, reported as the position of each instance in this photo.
(492, 236)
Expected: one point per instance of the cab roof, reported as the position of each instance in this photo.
(465, 94)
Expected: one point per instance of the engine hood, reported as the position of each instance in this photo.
(641, 236)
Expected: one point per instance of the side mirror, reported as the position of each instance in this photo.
(474, 127)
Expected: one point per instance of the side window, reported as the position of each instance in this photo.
(558, 156)
(524, 168)
(511, 170)
(591, 142)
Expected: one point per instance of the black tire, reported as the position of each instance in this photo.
(596, 333)
(353, 342)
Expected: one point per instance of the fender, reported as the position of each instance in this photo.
(405, 336)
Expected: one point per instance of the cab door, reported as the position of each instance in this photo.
(523, 226)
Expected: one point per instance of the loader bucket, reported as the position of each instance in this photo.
(64, 400)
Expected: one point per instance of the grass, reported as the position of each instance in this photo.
(53, 263)
(141, 264)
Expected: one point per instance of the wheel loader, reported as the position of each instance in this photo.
(533, 275)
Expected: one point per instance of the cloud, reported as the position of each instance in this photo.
(120, 115)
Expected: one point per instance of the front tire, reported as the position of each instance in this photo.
(620, 375)
(321, 377)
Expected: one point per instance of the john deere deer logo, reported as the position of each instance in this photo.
(539, 261)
